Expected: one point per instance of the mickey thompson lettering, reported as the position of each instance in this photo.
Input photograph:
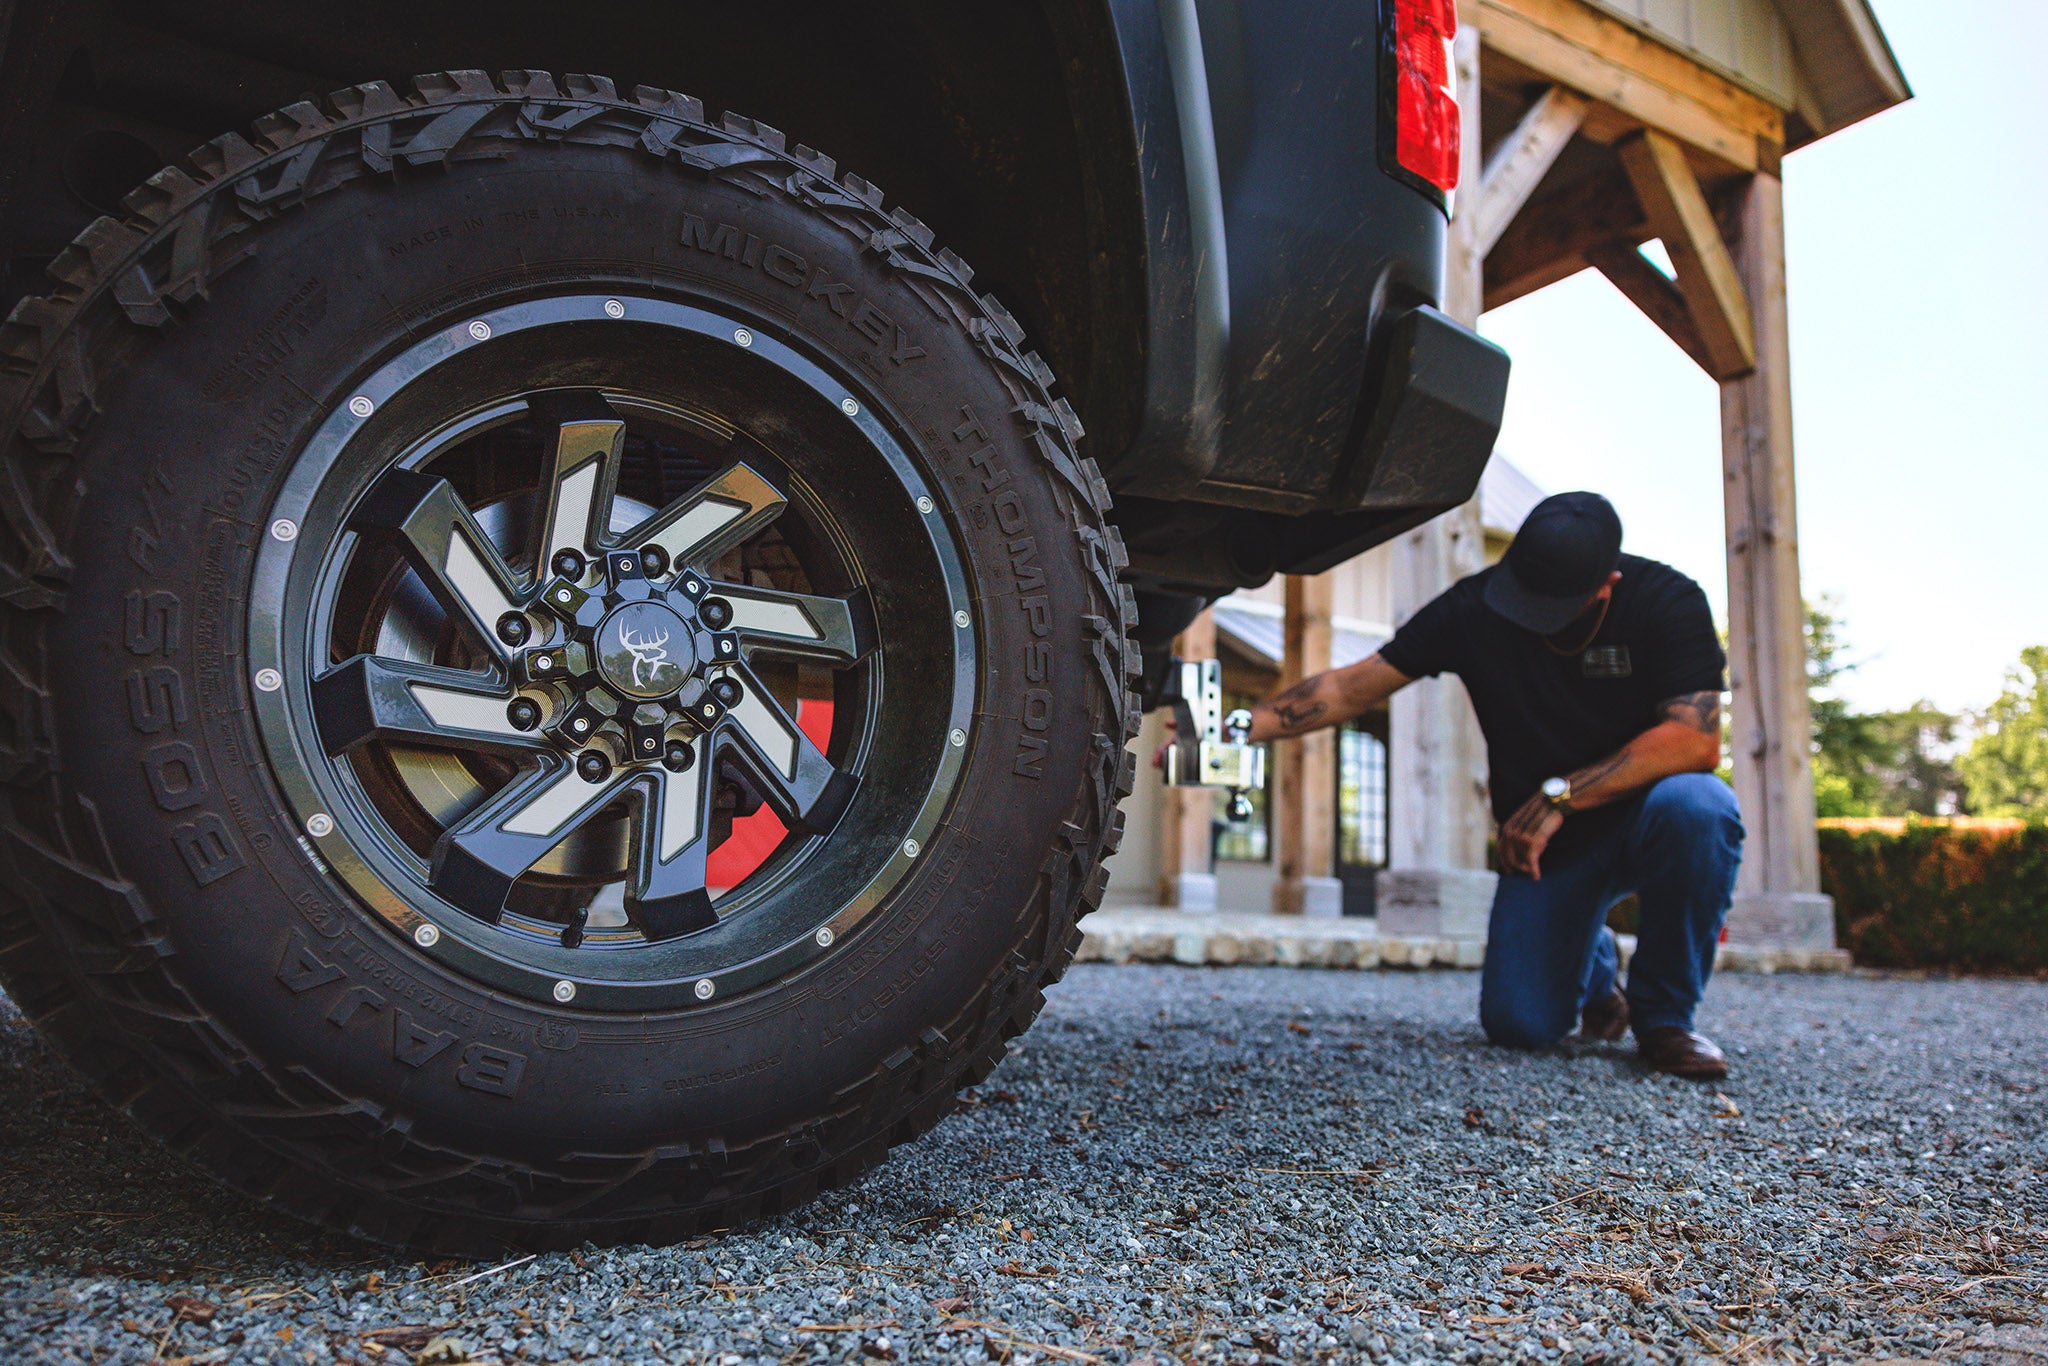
(1032, 598)
(786, 267)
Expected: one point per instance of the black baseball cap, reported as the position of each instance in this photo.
(1568, 545)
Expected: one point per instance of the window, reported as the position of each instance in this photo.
(1361, 798)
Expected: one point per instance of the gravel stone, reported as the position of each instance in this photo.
(1196, 1165)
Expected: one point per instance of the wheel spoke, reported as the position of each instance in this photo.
(712, 518)
(795, 777)
(834, 630)
(577, 497)
(477, 861)
(367, 698)
(425, 518)
(673, 839)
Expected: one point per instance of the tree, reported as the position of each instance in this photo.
(1885, 763)
(2006, 765)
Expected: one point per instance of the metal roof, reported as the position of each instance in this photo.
(1257, 635)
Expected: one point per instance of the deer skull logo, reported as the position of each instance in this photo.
(648, 654)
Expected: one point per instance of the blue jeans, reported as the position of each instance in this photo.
(1548, 948)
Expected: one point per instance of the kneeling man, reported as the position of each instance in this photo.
(1597, 680)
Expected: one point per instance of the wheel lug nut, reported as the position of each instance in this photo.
(568, 563)
(524, 713)
(715, 613)
(513, 628)
(678, 756)
(727, 691)
(592, 766)
(653, 561)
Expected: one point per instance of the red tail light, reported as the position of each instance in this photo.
(1426, 96)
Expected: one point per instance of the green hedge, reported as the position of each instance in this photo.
(1932, 897)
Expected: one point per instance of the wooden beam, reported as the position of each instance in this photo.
(1304, 808)
(1678, 213)
(1549, 238)
(1520, 162)
(1573, 44)
(1645, 286)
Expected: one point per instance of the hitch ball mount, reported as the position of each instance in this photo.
(1209, 749)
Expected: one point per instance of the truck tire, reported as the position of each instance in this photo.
(429, 524)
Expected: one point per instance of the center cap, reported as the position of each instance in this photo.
(645, 650)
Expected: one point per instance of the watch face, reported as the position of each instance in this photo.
(1554, 788)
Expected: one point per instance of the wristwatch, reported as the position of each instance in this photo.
(1558, 792)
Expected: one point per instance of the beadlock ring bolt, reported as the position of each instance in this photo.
(319, 825)
(704, 988)
(960, 618)
(513, 628)
(269, 680)
(958, 737)
(480, 329)
(565, 991)
(911, 848)
(568, 562)
(284, 529)
(925, 504)
(824, 936)
(614, 309)
(361, 405)
(849, 407)
(426, 936)
(743, 337)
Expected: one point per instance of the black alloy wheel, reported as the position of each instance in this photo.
(569, 681)
(515, 684)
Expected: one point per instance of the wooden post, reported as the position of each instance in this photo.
(1303, 814)
(1435, 884)
(1187, 876)
(1778, 902)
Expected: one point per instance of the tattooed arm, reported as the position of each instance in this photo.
(1329, 698)
(1686, 739)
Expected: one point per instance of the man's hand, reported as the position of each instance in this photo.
(1526, 834)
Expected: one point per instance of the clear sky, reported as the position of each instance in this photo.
(1919, 302)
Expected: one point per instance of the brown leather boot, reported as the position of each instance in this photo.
(1682, 1053)
(1604, 1020)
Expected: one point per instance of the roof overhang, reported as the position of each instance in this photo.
(1846, 68)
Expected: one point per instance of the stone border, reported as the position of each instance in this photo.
(1245, 939)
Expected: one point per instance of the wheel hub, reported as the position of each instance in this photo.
(645, 650)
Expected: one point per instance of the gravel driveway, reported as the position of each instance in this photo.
(1199, 1165)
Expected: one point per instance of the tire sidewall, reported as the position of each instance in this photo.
(153, 714)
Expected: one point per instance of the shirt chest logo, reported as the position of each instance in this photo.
(1606, 661)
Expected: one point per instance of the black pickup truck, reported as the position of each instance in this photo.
(566, 673)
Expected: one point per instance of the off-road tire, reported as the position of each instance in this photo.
(163, 924)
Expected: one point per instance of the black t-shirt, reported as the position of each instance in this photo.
(1547, 713)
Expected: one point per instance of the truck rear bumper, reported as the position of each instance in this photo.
(1434, 418)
